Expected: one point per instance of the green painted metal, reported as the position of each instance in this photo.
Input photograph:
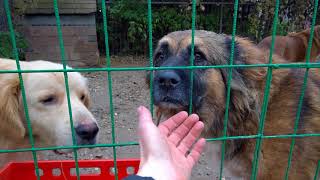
(259, 136)
(64, 63)
(23, 94)
(226, 115)
(111, 109)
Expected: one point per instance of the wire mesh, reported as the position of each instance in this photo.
(23, 93)
(63, 59)
(229, 79)
(230, 66)
(105, 29)
(255, 163)
(303, 89)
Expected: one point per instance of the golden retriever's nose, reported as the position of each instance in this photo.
(87, 131)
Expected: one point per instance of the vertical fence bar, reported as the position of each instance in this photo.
(255, 163)
(303, 89)
(23, 92)
(63, 60)
(229, 79)
(193, 27)
(108, 61)
(317, 171)
(150, 54)
(221, 18)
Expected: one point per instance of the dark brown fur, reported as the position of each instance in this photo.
(293, 47)
(247, 91)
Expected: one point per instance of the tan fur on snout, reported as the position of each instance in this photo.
(50, 121)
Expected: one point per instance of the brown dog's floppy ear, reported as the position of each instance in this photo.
(243, 111)
(10, 119)
(251, 55)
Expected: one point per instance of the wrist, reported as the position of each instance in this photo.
(157, 170)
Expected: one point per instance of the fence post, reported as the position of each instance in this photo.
(221, 19)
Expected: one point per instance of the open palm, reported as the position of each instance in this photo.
(165, 150)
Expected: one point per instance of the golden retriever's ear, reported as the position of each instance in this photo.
(10, 117)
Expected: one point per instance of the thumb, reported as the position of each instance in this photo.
(151, 140)
(144, 117)
(146, 130)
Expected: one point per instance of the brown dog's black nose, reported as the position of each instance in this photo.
(87, 131)
(168, 79)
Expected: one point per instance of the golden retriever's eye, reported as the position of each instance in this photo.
(83, 97)
(49, 100)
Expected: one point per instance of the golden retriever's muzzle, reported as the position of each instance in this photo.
(86, 133)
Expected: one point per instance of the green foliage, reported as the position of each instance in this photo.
(293, 16)
(283, 28)
(127, 21)
(6, 50)
(253, 27)
(134, 15)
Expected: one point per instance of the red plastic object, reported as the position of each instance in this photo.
(65, 170)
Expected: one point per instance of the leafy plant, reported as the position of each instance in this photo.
(128, 21)
(6, 49)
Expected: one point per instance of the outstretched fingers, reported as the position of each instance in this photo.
(181, 131)
(187, 142)
(195, 153)
(172, 123)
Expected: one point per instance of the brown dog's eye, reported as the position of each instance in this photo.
(160, 56)
(197, 57)
(49, 100)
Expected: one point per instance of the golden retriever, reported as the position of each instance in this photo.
(172, 91)
(48, 109)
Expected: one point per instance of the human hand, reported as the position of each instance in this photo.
(164, 149)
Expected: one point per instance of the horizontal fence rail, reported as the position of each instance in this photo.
(150, 67)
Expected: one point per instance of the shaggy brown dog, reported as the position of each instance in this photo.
(293, 47)
(171, 94)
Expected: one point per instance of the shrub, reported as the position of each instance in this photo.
(6, 49)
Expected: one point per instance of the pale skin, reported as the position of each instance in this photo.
(166, 150)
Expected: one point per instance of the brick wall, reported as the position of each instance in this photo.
(46, 6)
(79, 35)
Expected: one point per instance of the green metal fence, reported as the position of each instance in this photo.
(260, 136)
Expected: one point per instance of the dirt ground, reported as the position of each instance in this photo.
(129, 91)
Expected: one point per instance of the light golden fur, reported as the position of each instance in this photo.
(50, 124)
